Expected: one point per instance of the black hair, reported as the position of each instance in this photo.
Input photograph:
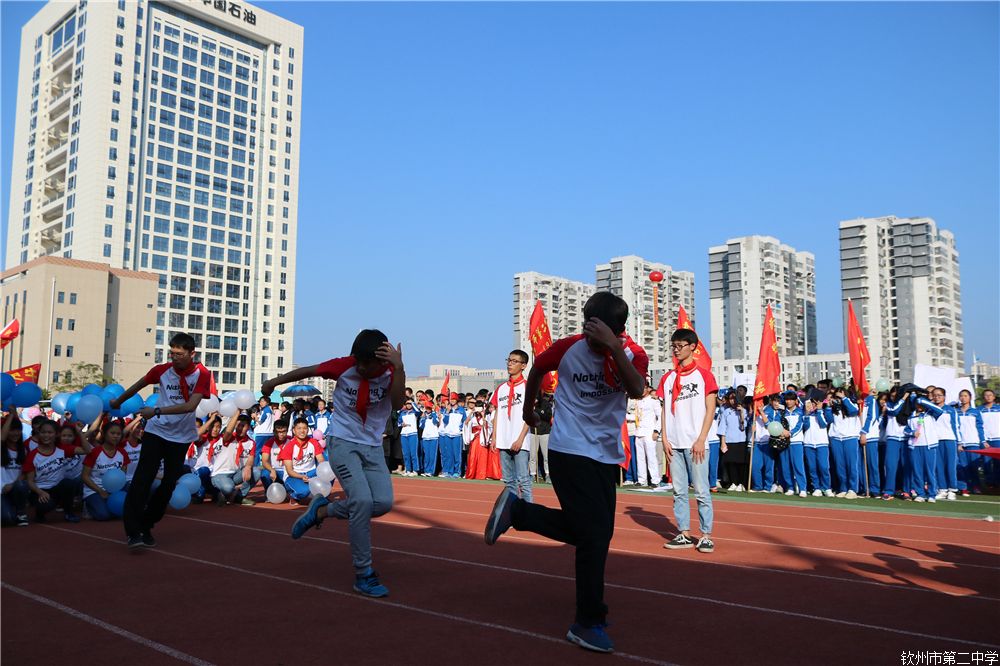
(300, 420)
(429, 393)
(182, 340)
(610, 309)
(38, 420)
(367, 343)
(685, 335)
(520, 353)
(110, 424)
(243, 418)
(281, 423)
(20, 453)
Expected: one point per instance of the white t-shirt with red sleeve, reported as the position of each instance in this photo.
(100, 462)
(176, 389)
(508, 402)
(364, 424)
(49, 469)
(222, 456)
(302, 455)
(685, 412)
(244, 449)
(589, 407)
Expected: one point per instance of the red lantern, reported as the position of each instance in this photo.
(656, 276)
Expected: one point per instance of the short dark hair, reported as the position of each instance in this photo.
(182, 340)
(366, 344)
(685, 335)
(243, 418)
(281, 424)
(610, 309)
(300, 420)
(520, 353)
(38, 420)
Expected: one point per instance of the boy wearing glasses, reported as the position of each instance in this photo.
(510, 432)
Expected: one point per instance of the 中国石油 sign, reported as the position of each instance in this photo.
(234, 9)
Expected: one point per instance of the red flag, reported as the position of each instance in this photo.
(28, 373)
(768, 364)
(541, 339)
(211, 381)
(444, 387)
(9, 332)
(627, 444)
(858, 351)
(701, 357)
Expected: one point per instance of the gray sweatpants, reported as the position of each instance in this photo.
(361, 470)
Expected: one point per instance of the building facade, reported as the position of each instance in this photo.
(79, 312)
(628, 277)
(749, 273)
(562, 300)
(164, 137)
(902, 275)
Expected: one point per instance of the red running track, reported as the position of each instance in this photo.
(228, 586)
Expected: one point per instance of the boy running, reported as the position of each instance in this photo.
(370, 384)
(596, 371)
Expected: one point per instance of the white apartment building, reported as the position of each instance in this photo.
(163, 136)
(745, 275)
(561, 299)
(628, 277)
(902, 276)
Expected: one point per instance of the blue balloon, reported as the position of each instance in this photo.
(89, 408)
(180, 499)
(113, 480)
(91, 389)
(25, 394)
(59, 401)
(7, 385)
(152, 400)
(113, 390)
(116, 502)
(132, 405)
(190, 482)
(73, 401)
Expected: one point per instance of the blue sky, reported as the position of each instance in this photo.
(448, 146)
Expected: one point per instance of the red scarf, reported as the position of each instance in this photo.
(677, 385)
(361, 404)
(510, 396)
(302, 446)
(609, 362)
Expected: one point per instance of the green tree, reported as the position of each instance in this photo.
(81, 374)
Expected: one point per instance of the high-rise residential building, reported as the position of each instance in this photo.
(561, 299)
(628, 277)
(902, 276)
(79, 312)
(745, 276)
(164, 136)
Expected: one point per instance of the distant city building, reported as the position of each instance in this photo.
(745, 275)
(79, 312)
(562, 300)
(165, 136)
(462, 379)
(628, 277)
(902, 275)
(983, 371)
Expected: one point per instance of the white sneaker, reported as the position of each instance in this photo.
(731, 488)
(817, 493)
(941, 494)
(919, 499)
(851, 495)
(789, 492)
(951, 496)
(804, 494)
(932, 500)
(628, 483)
(668, 486)
(775, 488)
(841, 495)
(828, 493)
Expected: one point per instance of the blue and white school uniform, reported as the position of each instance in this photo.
(991, 428)
(453, 421)
(713, 450)
(816, 446)
(429, 435)
(921, 430)
(324, 423)
(263, 429)
(792, 459)
(895, 438)
(947, 450)
(844, 431)
(970, 438)
(762, 474)
(407, 422)
(871, 428)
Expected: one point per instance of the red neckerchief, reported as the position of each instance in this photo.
(211, 445)
(185, 389)
(677, 385)
(510, 397)
(361, 404)
(302, 447)
(609, 362)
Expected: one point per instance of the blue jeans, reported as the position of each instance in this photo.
(845, 457)
(763, 461)
(893, 447)
(97, 507)
(411, 454)
(246, 486)
(713, 464)
(15, 502)
(514, 469)
(793, 468)
(428, 455)
(818, 464)
(947, 465)
(297, 488)
(266, 479)
(258, 447)
(684, 470)
(923, 460)
(224, 483)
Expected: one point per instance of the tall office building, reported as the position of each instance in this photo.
(902, 275)
(164, 137)
(561, 299)
(745, 275)
(628, 277)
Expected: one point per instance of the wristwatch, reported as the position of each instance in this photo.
(156, 411)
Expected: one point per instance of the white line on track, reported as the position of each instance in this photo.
(352, 595)
(118, 631)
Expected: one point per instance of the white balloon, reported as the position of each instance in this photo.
(200, 410)
(325, 472)
(244, 399)
(276, 493)
(228, 408)
(318, 486)
(211, 404)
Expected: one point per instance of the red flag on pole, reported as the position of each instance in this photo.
(627, 444)
(28, 373)
(768, 363)
(701, 357)
(858, 351)
(541, 339)
(444, 387)
(9, 332)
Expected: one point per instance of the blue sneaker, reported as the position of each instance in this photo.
(368, 585)
(500, 519)
(590, 638)
(309, 518)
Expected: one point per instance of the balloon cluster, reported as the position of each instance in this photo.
(25, 394)
(91, 401)
(228, 406)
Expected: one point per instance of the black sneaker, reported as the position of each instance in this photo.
(135, 543)
(679, 541)
(220, 500)
(22, 520)
(500, 518)
(148, 540)
(705, 545)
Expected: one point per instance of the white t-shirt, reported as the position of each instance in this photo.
(589, 409)
(222, 456)
(508, 402)
(303, 456)
(49, 469)
(365, 425)
(685, 411)
(132, 451)
(11, 470)
(100, 462)
(176, 390)
(273, 449)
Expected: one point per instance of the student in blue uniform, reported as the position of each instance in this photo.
(972, 437)
(869, 440)
(452, 422)
(895, 437)
(947, 448)
(793, 469)
(844, 431)
(921, 429)
(429, 441)
(816, 443)
(408, 422)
